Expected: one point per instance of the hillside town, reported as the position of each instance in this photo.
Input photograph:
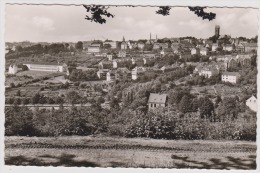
(125, 86)
(220, 66)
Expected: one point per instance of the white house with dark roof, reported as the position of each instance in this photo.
(252, 103)
(157, 100)
(231, 77)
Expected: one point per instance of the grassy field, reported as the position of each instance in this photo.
(123, 152)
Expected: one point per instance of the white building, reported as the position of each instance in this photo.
(231, 77)
(195, 51)
(214, 47)
(157, 100)
(54, 67)
(252, 103)
(208, 72)
(228, 47)
(13, 69)
(94, 48)
(110, 56)
(204, 51)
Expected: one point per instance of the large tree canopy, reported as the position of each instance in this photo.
(99, 12)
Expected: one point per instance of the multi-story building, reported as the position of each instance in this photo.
(232, 77)
(160, 45)
(94, 48)
(228, 47)
(113, 44)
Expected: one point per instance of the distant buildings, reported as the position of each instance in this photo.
(157, 100)
(113, 44)
(46, 66)
(252, 103)
(231, 77)
(195, 51)
(122, 54)
(204, 51)
(94, 48)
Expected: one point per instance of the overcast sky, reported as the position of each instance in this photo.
(58, 23)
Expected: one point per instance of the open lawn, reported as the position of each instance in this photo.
(123, 152)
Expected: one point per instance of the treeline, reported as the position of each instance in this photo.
(160, 124)
(37, 49)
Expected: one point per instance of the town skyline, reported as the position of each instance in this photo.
(43, 24)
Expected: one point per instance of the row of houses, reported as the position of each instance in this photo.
(216, 68)
(124, 74)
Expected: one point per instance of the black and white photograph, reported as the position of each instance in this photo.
(128, 86)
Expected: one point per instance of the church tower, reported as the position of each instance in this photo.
(217, 29)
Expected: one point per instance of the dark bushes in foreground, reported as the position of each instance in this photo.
(22, 121)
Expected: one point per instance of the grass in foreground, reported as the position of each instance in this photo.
(184, 154)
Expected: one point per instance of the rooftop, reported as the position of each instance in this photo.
(157, 98)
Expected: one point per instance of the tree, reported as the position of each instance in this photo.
(185, 104)
(18, 93)
(24, 68)
(98, 12)
(114, 103)
(79, 45)
(36, 98)
(107, 46)
(72, 97)
(206, 107)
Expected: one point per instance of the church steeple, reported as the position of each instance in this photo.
(150, 38)
(123, 39)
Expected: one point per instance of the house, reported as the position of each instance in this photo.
(240, 47)
(13, 69)
(113, 44)
(250, 47)
(228, 47)
(94, 48)
(176, 47)
(46, 66)
(137, 71)
(123, 74)
(140, 45)
(232, 77)
(204, 51)
(207, 72)
(110, 56)
(165, 51)
(157, 100)
(122, 54)
(160, 45)
(214, 47)
(252, 103)
(105, 65)
(244, 60)
(195, 51)
(110, 76)
(102, 73)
